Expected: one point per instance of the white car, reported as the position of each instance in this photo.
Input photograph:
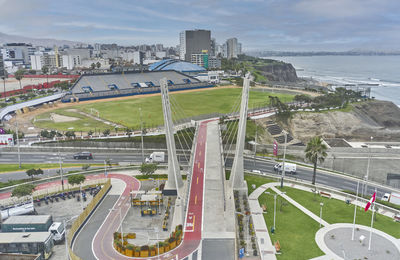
(256, 171)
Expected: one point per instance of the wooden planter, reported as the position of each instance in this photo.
(152, 252)
(161, 250)
(166, 248)
(129, 252)
(136, 253)
(144, 253)
(172, 245)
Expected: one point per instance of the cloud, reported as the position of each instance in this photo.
(105, 27)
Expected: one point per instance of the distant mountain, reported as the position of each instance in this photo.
(8, 38)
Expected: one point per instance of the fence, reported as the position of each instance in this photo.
(83, 217)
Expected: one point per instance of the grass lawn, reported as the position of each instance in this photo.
(82, 124)
(126, 112)
(24, 167)
(294, 229)
(255, 179)
(335, 211)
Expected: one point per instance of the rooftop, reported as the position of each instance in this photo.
(30, 219)
(19, 237)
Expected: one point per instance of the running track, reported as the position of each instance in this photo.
(103, 241)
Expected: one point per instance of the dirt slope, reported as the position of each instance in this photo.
(380, 119)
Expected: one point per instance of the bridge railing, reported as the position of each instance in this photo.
(83, 217)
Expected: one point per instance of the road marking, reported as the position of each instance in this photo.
(195, 200)
(197, 180)
(198, 165)
(200, 153)
(194, 216)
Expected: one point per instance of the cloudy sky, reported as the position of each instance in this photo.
(260, 25)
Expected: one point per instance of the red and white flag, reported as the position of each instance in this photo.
(372, 200)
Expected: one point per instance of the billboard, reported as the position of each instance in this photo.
(6, 140)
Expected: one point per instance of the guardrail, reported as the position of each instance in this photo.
(83, 217)
(324, 188)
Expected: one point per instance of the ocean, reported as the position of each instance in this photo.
(381, 72)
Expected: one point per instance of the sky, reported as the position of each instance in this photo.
(296, 25)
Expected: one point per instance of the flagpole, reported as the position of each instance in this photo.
(355, 212)
(372, 223)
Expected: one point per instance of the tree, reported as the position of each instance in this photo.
(45, 69)
(90, 132)
(92, 66)
(316, 151)
(13, 100)
(23, 190)
(70, 134)
(19, 74)
(98, 65)
(76, 179)
(148, 168)
(106, 132)
(32, 172)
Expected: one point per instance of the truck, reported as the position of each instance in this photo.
(156, 157)
(34, 223)
(392, 198)
(289, 168)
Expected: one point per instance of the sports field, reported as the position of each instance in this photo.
(126, 113)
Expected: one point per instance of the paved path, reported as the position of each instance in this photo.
(102, 243)
(265, 244)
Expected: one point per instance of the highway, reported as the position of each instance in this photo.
(303, 173)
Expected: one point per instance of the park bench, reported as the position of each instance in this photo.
(277, 247)
(324, 194)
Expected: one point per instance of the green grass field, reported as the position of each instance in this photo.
(335, 211)
(126, 112)
(294, 229)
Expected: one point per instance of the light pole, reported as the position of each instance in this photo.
(255, 145)
(60, 161)
(275, 196)
(369, 159)
(284, 157)
(320, 214)
(141, 132)
(19, 152)
(65, 236)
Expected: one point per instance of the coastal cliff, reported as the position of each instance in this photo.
(278, 71)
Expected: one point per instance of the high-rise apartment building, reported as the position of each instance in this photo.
(194, 42)
(231, 47)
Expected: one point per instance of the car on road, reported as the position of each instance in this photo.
(83, 155)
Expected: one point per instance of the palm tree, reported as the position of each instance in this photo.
(316, 151)
(19, 74)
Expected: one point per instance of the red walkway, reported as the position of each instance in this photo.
(103, 241)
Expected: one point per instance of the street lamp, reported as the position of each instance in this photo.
(369, 159)
(275, 195)
(141, 133)
(60, 161)
(65, 235)
(19, 152)
(320, 214)
(158, 195)
(284, 157)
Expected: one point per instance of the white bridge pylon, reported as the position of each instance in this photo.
(237, 173)
(174, 183)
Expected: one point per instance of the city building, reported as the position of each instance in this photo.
(138, 57)
(194, 42)
(26, 50)
(214, 63)
(232, 47)
(27, 243)
(71, 61)
(200, 59)
(161, 54)
(50, 60)
(1, 66)
(37, 62)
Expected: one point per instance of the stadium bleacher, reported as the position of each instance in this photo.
(96, 86)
